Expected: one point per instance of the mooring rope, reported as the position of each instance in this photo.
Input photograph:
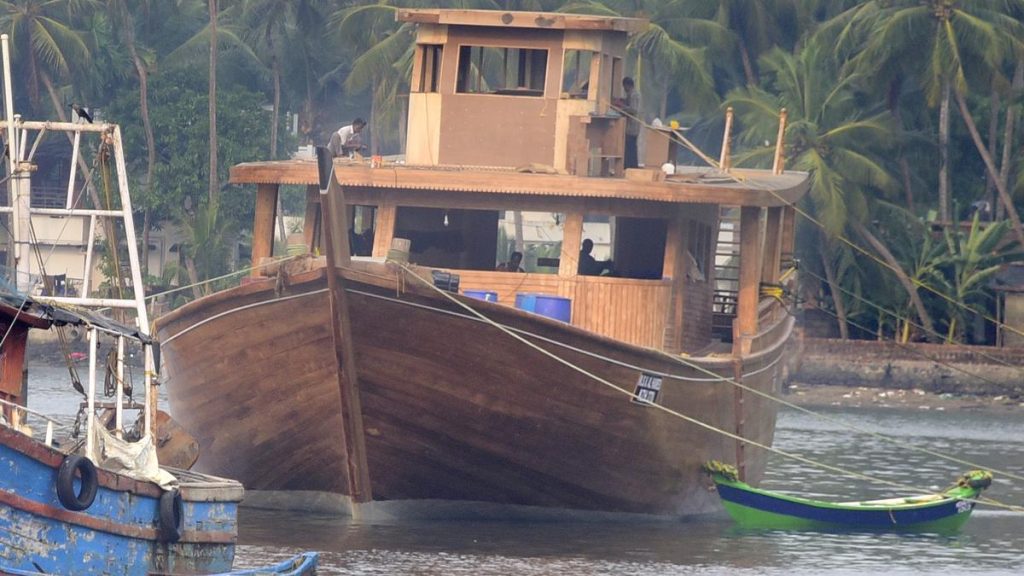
(667, 410)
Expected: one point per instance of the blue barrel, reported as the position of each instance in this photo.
(546, 305)
(487, 295)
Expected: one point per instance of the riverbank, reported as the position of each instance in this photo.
(813, 396)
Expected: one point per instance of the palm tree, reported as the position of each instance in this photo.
(674, 46)
(827, 136)
(44, 43)
(959, 37)
(757, 25)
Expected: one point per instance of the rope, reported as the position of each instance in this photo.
(665, 409)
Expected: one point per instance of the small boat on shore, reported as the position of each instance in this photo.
(944, 512)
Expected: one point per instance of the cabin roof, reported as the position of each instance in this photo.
(509, 19)
(690, 185)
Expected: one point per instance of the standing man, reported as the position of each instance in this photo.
(630, 105)
(347, 140)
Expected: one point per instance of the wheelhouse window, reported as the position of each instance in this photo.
(428, 68)
(505, 71)
(482, 239)
(576, 73)
(623, 247)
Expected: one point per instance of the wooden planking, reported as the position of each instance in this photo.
(770, 270)
(516, 19)
(453, 409)
(632, 311)
(250, 393)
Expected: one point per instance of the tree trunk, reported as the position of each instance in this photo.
(214, 184)
(944, 155)
(1004, 195)
(1011, 119)
(904, 280)
(993, 144)
(145, 242)
(834, 289)
(748, 66)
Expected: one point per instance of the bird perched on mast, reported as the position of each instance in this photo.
(82, 113)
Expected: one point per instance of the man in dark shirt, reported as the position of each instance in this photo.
(588, 265)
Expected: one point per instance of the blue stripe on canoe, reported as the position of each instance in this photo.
(844, 516)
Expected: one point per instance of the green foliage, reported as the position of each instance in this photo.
(178, 112)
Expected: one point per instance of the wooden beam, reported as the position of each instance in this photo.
(788, 234)
(335, 228)
(263, 224)
(772, 246)
(750, 280)
(311, 222)
(675, 268)
(384, 228)
(572, 239)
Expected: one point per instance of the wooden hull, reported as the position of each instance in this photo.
(118, 533)
(452, 408)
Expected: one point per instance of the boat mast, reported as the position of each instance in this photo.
(21, 167)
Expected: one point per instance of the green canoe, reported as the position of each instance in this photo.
(755, 508)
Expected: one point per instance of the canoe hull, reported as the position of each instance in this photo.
(756, 509)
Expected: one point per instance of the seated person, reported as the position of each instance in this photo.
(588, 266)
(513, 264)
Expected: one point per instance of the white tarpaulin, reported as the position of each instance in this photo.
(133, 459)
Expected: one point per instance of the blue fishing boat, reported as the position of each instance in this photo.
(92, 497)
(944, 512)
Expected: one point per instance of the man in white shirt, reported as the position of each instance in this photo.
(347, 140)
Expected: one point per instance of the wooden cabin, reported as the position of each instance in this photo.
(510, 114)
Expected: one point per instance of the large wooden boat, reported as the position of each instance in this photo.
(358, 382)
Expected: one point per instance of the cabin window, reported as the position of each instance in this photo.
(576, 73)
(700, 245)
(505, 71)
(624, 247)
(429, 71)
(481, 239)
(361, 226)
(537, 236)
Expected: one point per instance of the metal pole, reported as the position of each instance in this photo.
(119, 406)
(91, 400)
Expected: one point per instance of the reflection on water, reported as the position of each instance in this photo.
(992, 542)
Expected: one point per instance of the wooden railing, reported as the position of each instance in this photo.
(625, 309)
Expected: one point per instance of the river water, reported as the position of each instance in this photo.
(992, 542)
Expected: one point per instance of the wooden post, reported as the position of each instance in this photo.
(335, 229)
(384, 228)
(725, 160)
(788, 234)
(750, 280)
(311, 220)
(263, 225)
(771, 271)
(780, 145)
(674, 266)
(572, 239)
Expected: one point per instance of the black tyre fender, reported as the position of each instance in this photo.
(172, 516)
(82, 499)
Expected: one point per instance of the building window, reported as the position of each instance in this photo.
(505, 71)
(429, 68)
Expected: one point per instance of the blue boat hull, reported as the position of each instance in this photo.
(119, 534)
(773, 511)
